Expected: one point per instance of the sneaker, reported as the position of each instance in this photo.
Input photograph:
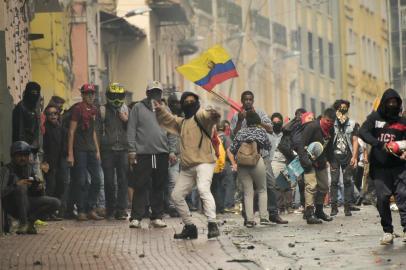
(94, 216)
(264, 221)
(334, 210)
(135, 223)
(101, 212)
(387, 239)
(31, 229)
(81, 217)
(157, 223)
(277, 219)
(121, 215)
(394, 207)
(22, 229)
(250, 224)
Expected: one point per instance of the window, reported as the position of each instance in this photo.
(310, 49)
(331, 60)
(231, 11)
(262, 25)
(322, 106)
(303, 98)
(313, 105)
(321, 59)
(279, 34)
(205, 5)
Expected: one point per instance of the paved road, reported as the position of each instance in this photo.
(346, 243)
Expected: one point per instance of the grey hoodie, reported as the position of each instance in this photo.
(144, 134)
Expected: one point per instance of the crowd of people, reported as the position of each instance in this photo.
(168, 157)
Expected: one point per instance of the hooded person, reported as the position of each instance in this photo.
(26, 116)
(388, 171)
(197, 160)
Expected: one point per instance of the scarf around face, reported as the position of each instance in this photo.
(88, 113)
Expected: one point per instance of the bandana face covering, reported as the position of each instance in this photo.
(342, 116)
(326, 125)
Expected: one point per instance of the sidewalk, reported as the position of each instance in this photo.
(112, 245)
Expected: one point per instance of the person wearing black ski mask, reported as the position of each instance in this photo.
(388, 171)
(197, 160)
(26, 116)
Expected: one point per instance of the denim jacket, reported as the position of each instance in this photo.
(349, 128)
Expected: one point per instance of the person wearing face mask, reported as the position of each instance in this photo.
(113, 145)
(388, 171)
(55, 151)
(26, 122)
(316, 175)
(279, 161)
(26, 116)
(343, 157)
(197, 160)
(150, 150)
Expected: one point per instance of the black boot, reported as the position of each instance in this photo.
(347, 210)
(320, 213)
(334, 210)
(188, 232)
(310, 218)
(213, 230)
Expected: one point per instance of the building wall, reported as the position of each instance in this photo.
(136, 68)
(365, 53)
(14, 65)
(50, 56)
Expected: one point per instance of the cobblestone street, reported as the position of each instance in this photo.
(345, 243)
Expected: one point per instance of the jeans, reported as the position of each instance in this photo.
(229, 186)
(348, 172)
(218, 190)
(86, 193)
(248, 177)
(29, 208)
(173, 174)
(271, 188)
(200, 175)
(115, 164)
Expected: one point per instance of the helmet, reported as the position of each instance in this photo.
(20, 147)
(115, 94)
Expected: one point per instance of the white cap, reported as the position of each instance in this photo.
(154, 85)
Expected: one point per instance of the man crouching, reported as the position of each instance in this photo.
(22, 193)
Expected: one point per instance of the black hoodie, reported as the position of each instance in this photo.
(381, 128)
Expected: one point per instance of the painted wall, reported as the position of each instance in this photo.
(50, 56)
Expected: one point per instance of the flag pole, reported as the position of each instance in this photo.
(221, 98)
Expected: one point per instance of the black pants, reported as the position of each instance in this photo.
(348, 173)
(54, 180)
(388, 182)
(151, 174)
(114, 165)
(218, 190)
(28, 208)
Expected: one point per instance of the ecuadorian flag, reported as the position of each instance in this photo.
(210, 68)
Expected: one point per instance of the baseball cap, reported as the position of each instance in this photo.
(88, 87)
(154, 85)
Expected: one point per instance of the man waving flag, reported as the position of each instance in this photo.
(212, 67)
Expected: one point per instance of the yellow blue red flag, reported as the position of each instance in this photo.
(212, 67)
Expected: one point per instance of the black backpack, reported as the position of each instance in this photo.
(290, 132)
